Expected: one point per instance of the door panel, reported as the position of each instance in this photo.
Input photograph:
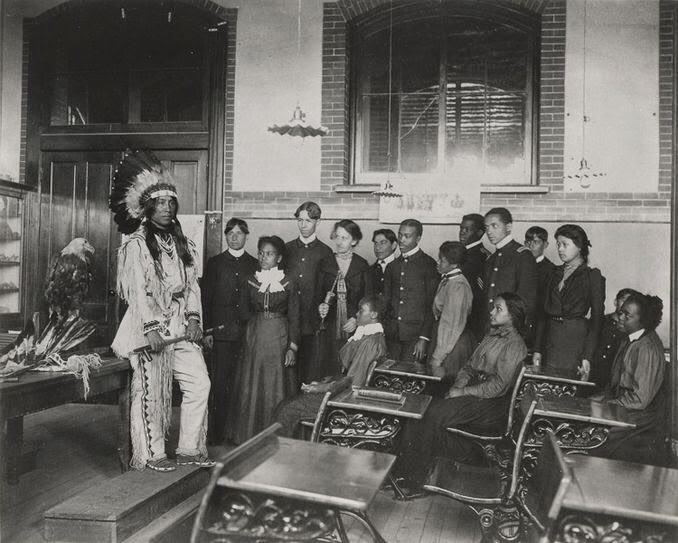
(74, 202)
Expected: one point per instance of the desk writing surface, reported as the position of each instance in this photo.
(409, 369)
(415, 405)
(326, 474)
(555, 375)
(625, 489)
(586, 410)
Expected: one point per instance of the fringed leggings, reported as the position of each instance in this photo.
(149, 421)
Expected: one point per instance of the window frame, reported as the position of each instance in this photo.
(373, 22)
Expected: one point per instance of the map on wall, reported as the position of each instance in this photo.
(437, 199)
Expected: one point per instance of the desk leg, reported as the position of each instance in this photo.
(13, 448)
(124, 446)
(365, 521)
(341, 530)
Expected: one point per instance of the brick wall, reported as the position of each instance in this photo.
(554, 206)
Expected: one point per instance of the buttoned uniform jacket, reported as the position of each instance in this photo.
(410, 285)
(225, 276)
(302, 264)
(512, 269)
(378, 278)
(474, 271)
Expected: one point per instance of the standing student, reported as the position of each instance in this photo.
(567, 339)
(385, 246)
(302, 257)
(471, 231)
(536, 240)
(225, 276)
(409, 288)
(453, 342)
(265, 374)
(343, 279)
(511, 268)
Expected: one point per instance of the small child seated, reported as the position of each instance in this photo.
(365, 346)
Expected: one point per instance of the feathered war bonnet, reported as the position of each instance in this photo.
(138, 178)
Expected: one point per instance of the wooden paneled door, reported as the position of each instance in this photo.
(75, 188)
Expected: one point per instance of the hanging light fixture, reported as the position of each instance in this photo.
(297, 125)
(584, 174)
(389, 190)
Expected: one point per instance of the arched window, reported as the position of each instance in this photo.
(462, 92)
(126, 63)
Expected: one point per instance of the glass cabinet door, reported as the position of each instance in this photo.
(11, 231)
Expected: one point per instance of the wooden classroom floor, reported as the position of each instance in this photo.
(76, 450)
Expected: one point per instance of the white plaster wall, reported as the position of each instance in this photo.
(270, 79)
(621, 89)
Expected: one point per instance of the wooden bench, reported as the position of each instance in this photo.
(120, 507)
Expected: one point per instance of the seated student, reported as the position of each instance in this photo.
(636, 384)
(608, 342)
(366, 345)
(478, 398)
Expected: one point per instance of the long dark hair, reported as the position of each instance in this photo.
(517, 309)
(578, 236)
(174, 229)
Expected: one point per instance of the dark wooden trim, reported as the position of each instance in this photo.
(16, 188)
(118, 142)
(217, 116)
(131, 128)
(674, 240)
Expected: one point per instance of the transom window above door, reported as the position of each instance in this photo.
(126, 63)
(462, 95)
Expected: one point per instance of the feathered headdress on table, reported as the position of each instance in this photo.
(138, 177)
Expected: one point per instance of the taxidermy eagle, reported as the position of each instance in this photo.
(70, 277)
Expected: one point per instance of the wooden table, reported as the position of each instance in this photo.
(398, 376)
(578, 423)
(37, 391)
(551, 382)
(608, 498)
(273, 488)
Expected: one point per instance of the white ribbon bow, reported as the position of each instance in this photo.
(270, 280)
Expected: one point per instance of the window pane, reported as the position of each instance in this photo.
(486, 108)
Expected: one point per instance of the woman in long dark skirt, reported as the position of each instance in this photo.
(266, 373)
(343, 279)
(574, 307)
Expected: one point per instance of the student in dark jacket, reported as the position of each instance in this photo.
(537, 241)
(302, 257)
(608, 343)
(511, 268)
(637, 383)
(225, 276)
(385, 248)
(409, 288)
(471, 231)
(343, 279)
(565, 337)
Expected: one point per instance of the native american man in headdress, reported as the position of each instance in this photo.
(157, 278)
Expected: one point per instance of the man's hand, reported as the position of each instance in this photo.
(454, 392)
(290, 358)
(584, 370)
(193, 330)
(208, 342)
(323, 310)
(419, 351)
(155, 341)
(351, 325)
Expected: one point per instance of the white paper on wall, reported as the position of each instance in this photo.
(194, 229)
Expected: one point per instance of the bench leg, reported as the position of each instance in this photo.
(13, 449)
(124, 446)
(341, 530)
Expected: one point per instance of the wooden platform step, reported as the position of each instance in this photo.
(115, 510)
(174, 526)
